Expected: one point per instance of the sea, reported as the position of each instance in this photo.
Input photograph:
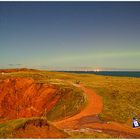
(110, 73)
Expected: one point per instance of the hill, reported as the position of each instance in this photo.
(16, 70)
(57, 97)
(30, 128)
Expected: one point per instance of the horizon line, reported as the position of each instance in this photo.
(73, 69)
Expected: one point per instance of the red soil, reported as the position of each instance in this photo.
(22, 97)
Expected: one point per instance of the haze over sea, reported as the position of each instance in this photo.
(111, 73)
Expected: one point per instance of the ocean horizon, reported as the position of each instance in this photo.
(135, 74)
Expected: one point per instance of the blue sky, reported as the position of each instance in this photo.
(70, 34)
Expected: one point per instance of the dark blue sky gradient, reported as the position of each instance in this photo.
(70, 34)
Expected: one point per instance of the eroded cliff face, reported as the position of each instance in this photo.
(22, 97)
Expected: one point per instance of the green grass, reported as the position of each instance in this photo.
(121, 95)
(121, 98)
(96, 135)
(8, 129)
(70, 103)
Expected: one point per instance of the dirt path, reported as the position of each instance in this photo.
(94, 107)
(88, 118)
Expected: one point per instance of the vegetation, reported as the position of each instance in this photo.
(72, 99)
(15, 128)
(121, 98)
(9, 128)
(121, 95)
(92, 135)
(71, 103)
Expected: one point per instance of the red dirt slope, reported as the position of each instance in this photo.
(22, 97)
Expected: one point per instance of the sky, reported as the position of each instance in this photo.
(61, 35)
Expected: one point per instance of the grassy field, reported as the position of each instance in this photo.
(96, 135)
(12, 129)
(71, 103)
(8, 129)
(121, 95)
(17, 128)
